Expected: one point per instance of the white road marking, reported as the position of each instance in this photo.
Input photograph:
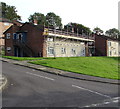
(40, 76)
(33, 70)
(112, 100)
(91, 91)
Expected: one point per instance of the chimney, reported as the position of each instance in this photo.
(35, 22)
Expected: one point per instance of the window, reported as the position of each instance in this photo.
(110, 53)
(8, 36)
(49, 39)
(73, 51)
(14, 35)
(19, 36)
(63, 50)
(8, 49)
(109, 43)
(50, 50)
(83, 51)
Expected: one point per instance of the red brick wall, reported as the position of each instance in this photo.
(9, 42)
(35, 38)
(100, 46)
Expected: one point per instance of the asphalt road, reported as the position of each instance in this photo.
(31, 88)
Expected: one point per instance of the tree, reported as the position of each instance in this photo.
(77, 28)
(39, 17)
(114, 33)
(97, 30)
(9, 12)
(53, 21)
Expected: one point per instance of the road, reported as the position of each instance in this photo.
(31, 88)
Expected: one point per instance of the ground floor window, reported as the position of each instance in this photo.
(8, 49)
(73, 51)
(63, 50)
(50, 50)
(110, 53)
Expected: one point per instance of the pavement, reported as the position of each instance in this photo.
(3, 81)
(62, 73)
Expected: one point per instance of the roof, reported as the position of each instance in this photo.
(108, 38)
(5, 20)
(16, 22)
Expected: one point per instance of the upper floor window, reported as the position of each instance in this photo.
(109, 43)
(8, 36)
(14, 35)
(49, 39)
(19, 36)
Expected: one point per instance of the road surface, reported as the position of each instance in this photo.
(31, 88)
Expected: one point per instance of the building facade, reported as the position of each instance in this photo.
(106, 46)
(4, 25)
(35, 40)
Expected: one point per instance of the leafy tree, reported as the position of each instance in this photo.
(97, 30)
(77, 28)
(53, 21)
(39, 17)
(114, 33)
(9, 12)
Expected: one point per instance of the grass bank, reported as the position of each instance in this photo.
(106, 67)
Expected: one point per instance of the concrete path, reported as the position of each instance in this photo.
(3, 81)
(61, 73)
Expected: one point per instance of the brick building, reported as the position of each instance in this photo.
(106, 46)
(4, 25)
(35, 40)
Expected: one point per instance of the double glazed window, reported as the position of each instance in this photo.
(14, 35)
(50, 50)
(63, 50)
(8, 36)
(8, 49)
(73, 51)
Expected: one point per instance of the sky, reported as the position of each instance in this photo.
(91, 13)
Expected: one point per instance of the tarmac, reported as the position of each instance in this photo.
(56, 72)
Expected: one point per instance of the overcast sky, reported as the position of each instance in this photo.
(91, 13)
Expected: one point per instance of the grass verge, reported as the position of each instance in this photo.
(106, 67)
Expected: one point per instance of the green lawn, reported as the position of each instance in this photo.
(106, 67)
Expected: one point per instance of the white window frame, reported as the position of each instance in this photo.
(8, 36)
(14, 35)
(109, 44)
(63, 50)
(8, 49)
(50, 39)
(18, 36)
(83, 52)
(51, 50)
(110, 53)
(73, 51)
